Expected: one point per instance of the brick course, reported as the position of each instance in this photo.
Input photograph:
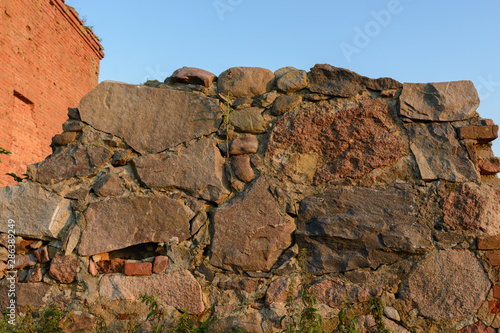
(49, 61)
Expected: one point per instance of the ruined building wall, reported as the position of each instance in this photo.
(49, 60)
(204, 191)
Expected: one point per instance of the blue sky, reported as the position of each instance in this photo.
(408, 40)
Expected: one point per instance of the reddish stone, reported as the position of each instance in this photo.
(126, 316)
(483, 134)
(462, 210)
(138, 268)
(80, 322)
(478, 327)
(92, 268)
(494, 306)
(246, 145)
(193, 75)
(493, 258)
(36, 275)
(23, 245)
(109, 185)
(63, 268)
(488, 243)
(160, 264)
(25, 261)
(490, 166)
(42, 255)
(110, 266)
(496, 291)
(242, 168)
(121, 157)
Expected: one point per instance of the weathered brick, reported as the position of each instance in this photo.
(494, 306)
(488, 243)
(493, 258)
(496, 291)
(139, 268)
(482, 134)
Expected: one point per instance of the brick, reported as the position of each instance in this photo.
(488, 243)
(483, 134)
(139, 268)
(494, 306)
(493, 258)
(496, 291)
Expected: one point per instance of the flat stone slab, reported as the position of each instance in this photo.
(447, 284)
(122, 222)
(149, 119)
(439, 154)
(441, 101)
(249, 231)
(178, 289)
(198, 169)
(36, 212)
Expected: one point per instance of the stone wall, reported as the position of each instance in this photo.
(203, 191)
(50, 60)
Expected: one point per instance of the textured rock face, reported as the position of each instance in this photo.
(353, 141)
(193, 75)
(292, 80)
(438, 153)
(245, 81)
(118, 223)
(248, 120)
(197, 169)
(63, 268)
(442, 101)
(334, 292)
(167, 117)
(28, 202)
(70, 162)
(447, 284)
(335, 81)
(348, 227)
(249, 231)
(179, 289)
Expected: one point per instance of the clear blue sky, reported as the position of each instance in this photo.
(408, 40)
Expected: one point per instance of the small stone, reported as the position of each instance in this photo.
(488, 243)
(63, 268)
(120, 157)
(248, 120)
(493, 258)
(192, 75)
(494, 306)
(317, 97)
(242, 168)
(42, 255)
(246, 145)
(292, 81)
(392, 313)
(80, 322)
(92, 268)
(490, 166)
(108, 186)
(266, 99)
(160, 264)
(72, 239)
(4, 254)
(478, 327)
(245, 81)
(138, 268)
(36, 275)
(242, 103)
(25, 260)
(36, 245)
(73, 126)
(198, 221)
(110, 266)
(73, 113)
(205, 272)
(63, 139)
(285, 103)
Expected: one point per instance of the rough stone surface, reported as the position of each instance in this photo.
(248, 120)
(80, 322)
(246, 145)
(245, 81)
(110, 266)
(349, 227)
(193, 75)
(292, 81)
(27, 202)
(73, 126)
(63, 268)
(340, 82)
(27, 294)
(109, 185)
(121, 222)
(138, 268)
(149, 119)
(334, 292)
(120, 157)
(354, 140)
(178, 289)
(249, 231)
(438, 153)
(63, 139)
(490, 166)
(478, 327)
(71, 162)
(447, 284)
(197, 169)
(160, 264)
(482, 134)
(242, 168)
(441, 101)
(266, 99)
(42, 255)
(24, 260)
(285, 103)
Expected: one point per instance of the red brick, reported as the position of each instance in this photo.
(494, 306)
(139, 268)
(482, 134)
(488, 243)
(493, 258)
(110, 266)
(160, 264)
(496, 291)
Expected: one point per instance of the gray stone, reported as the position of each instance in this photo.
(72, 162)
(441, 101)
(193, 75)
(249, 231)
(245, 81)
(248, 120)
(149, 119)
(117, 223)
(178, 289)
(197, 169)
(285, 103)
(340, 82)
(27, 203)
(292, 81)
(353, 227)
(447, 284)
(109, 185)
(439, 154)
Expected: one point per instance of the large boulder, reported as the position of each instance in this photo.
(149, 119)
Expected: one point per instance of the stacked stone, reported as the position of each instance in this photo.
(149, 190)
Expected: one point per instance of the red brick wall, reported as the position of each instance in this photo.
(48, 61)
